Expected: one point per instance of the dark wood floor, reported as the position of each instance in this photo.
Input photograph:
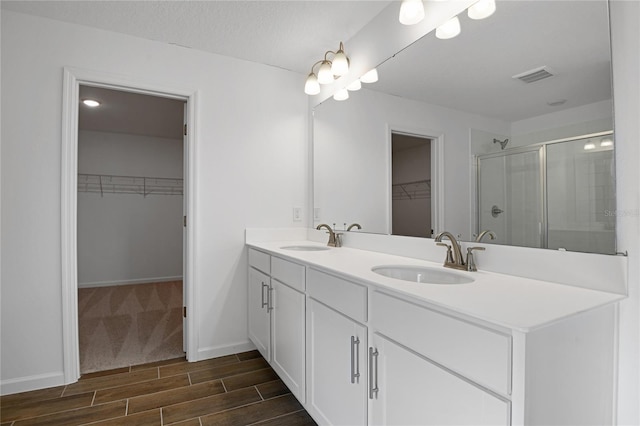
(232, 390)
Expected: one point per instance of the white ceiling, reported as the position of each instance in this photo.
(287, 34)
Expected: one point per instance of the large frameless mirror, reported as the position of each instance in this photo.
(518, 113)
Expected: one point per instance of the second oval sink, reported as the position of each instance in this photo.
(421, 274)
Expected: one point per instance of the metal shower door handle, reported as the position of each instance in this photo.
(495, 211)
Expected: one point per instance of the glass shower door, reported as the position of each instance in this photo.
(510, 197)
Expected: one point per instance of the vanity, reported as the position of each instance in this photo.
(357, 348)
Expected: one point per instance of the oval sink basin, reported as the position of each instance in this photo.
(422, 274)
(305, 248)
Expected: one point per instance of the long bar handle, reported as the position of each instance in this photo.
(373, 383)
(270, 299)
(355, 359)
(264, 303)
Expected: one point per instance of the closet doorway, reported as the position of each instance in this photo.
(130, 228)
(411, 177)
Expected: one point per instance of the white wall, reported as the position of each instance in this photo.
(352, 156)
(625, 40)
(251, 168)
(129, 238)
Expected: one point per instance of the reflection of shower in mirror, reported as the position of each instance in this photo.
(503, 144)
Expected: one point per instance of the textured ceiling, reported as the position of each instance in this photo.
(286, 34)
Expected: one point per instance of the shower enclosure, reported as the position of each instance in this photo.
(558, 195)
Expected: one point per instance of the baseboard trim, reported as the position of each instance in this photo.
(217, 351)
(29, 383)
(128, 282)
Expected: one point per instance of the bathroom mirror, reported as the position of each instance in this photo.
(473, 98)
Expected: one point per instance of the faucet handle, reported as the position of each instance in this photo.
(471, 264)
(449, 253)
(338, 238)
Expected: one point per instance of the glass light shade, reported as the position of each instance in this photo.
(482, 9)
(606, 142)
(411, 12)
(91, 103)
(449, 29)
(325, 76)
(589, 146)
(370, 77)
(311, 86)
(341, 95)
(340, 64)
(356, 85)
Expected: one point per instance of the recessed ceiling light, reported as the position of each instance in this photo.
(91, 103)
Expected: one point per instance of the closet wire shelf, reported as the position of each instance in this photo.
(417, 190)
(141, 185)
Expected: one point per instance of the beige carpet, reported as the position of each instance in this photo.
(128, 325)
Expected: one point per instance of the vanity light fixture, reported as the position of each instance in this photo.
(589, 146)
(341, 95)
(449, 29)
(370, 77)
(411, 12)
(329, 70)
(92, 103)
(482, 9)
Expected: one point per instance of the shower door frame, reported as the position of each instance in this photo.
(542, 170)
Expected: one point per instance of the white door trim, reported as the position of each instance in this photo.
(437, 172)
(73, 77)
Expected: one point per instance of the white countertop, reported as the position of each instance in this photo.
(513, 302)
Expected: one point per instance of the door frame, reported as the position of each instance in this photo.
(73, 78)
(437, 172)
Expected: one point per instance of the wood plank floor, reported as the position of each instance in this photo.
(239, 389)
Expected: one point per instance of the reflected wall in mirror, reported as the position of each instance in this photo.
(462, 94)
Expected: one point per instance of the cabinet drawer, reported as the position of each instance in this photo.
(345, 296)
(260, 261)
(288, 273)
(475, 352)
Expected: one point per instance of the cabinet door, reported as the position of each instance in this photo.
(287, 333)
(259, 324)
(337, 369)
(413, 391)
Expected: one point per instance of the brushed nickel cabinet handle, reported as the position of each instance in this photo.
(264, 303)
(373, 383)
(355, 356)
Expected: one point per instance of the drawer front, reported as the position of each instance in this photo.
(344, 296)
(480, 354)
(288, 273)
(260, 261)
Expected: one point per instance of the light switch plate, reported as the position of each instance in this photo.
(297, 214)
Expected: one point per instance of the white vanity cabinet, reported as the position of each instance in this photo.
(336, 350)
(408, 386)
(277, 316)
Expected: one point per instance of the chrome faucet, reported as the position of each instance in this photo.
(334, 238)
(354, 225)
(491, 234)
(454, 253)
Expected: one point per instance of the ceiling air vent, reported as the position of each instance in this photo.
(535, 74)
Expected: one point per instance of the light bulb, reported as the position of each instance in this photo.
(341, 95)
(411, 12)
(482, 9)
(589, 146)
(325, 76)
(340, 64)
(370, 77)
(91, 103)
(311, 86)
(356, 85)
(449, 29)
